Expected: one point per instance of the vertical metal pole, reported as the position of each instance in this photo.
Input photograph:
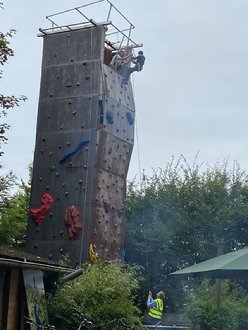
(110, 7)
(220, 249)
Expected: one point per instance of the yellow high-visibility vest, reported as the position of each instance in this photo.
(156, 312)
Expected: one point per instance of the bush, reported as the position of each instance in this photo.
(232, 313)
(104, 294)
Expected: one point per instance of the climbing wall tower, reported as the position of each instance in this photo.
(84, 140)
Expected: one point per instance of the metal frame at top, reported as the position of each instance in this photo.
(122, 35)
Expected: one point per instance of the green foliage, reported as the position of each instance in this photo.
(13, 209)
(179, 216)
(6, 102)
(104, 294)
(231, 314)
(13, 216)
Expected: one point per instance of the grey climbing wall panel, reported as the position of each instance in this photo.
(84, 140)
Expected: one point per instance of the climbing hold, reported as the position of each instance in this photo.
(130, 118)
(75, 150)
(93, 255)
(110, 117)
(39, 214)
(107, 207)
(72, 221)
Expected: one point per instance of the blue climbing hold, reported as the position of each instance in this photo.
(110, 117)
(130, 118)
(81, 144)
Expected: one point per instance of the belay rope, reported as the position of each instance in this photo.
(142, 212)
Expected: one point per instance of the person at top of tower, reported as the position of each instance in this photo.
(119, 60)
(139, 62)
(156, 307)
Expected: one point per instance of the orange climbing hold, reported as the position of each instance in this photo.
(72, 221)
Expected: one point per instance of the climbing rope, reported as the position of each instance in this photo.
(141, 186)
(87, 162)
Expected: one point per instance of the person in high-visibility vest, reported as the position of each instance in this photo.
(155, 307)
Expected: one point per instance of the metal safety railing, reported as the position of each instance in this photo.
(116, 36)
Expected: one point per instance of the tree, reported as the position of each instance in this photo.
(9, 180)
(13, 217)
(182, 215)
(104, 294)
(233, 311)
(6, 102)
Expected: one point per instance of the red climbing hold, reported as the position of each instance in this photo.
(72, 221)
(40, 213)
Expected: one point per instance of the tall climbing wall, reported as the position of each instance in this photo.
(84, 139)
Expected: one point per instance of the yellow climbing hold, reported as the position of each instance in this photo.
(93, 255)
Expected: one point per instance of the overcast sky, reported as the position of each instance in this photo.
(191, 95)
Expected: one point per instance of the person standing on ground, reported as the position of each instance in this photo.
(155, 307)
